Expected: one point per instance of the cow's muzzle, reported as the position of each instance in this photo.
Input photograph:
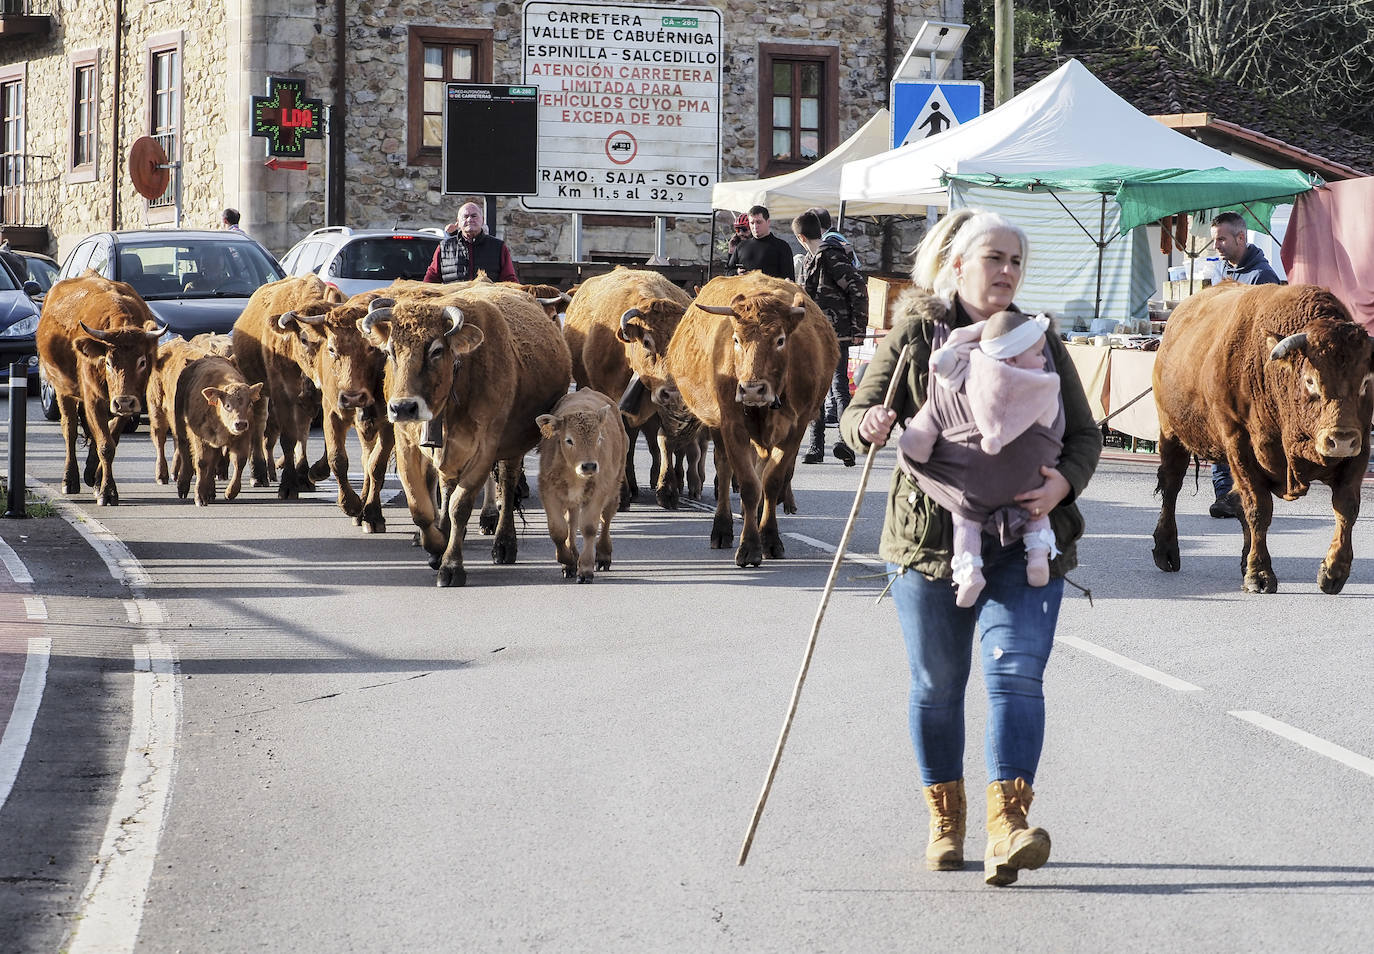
(354, 399)
(238, 427)
(755, 394)
(408, 409)
(587, 468)
(123, 405)
(1338, 442)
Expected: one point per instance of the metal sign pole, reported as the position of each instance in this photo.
(19, 403)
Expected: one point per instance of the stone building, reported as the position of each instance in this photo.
(81, 80)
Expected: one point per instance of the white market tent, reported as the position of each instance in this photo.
(1069, 119)
(818, 184)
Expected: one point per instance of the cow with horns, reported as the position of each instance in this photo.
(467, 373)
(271, 347)
(97, 342)
(1275, 380)
(752, 360)
(618, 326)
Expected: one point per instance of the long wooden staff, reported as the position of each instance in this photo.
(897, 374)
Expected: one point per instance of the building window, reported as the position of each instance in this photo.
(12, 151)
(440, 55)
(164, 111)
(798, 119)
(85, 97)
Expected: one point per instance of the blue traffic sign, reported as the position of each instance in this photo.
(922, 110)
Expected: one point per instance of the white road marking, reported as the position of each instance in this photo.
(1130, 665)
(1307, 740)
(828, 548)
(35, 608)
(18, 572)
(112, 904)
(20, 725)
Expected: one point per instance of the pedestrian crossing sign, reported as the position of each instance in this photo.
(922, 110)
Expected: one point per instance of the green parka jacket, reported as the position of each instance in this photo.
(917, 532)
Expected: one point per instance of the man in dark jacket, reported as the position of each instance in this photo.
(762, 252)
(832, 281)
(1240, 261)
(467, 249)
(1245, 263)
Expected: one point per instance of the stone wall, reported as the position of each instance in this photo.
(383, 190)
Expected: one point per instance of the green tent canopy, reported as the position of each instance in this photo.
(1147, 195)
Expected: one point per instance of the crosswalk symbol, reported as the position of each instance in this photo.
(922, 110)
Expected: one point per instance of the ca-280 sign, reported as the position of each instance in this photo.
(629, 106)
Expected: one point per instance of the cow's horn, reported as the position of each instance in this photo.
(378, 303)
(374, 315)
(798, 311)
(158, 331)
(1292, 343)
(285, 319)
(454, 314)
(95, 332)
(546, 302)
(717, 310)
(625, 318)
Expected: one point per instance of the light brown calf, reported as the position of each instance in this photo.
(215, 415)
(581, 464)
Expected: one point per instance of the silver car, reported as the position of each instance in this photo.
(359, 260)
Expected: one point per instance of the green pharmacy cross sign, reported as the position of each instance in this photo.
(287, 118)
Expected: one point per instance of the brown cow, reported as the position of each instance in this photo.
(272, 353)
(1277, 381)
(467, 374)
(581, 462)
(752, 360)
(172, 359)
(97, 342)
(619, 325)
(215, 410)
(348, 370)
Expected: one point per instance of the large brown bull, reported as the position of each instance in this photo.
(618, 325)
(347, 371)
(467, 373)
(752, 359)
(1275, 380)
(97, 342)
(273, 352)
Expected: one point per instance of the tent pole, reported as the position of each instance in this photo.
(839, 223)
(1101, 247)
(711, 258)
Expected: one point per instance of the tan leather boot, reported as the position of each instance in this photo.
(947, 813)
(1012, 844)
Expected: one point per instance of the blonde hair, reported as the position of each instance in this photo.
(933, 251)
(956, 241)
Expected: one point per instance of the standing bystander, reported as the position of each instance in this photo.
(1241, 262)
(229, 219)
(468, 249)
(763, 251)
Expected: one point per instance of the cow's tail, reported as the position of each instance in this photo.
(1197, 476)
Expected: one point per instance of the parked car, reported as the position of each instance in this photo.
(359, 260)
(193, 281)
(18, 323)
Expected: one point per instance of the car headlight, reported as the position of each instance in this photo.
(22, 327)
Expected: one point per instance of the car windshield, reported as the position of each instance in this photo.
(195, 268)
(384, 258)
(42, 271)
(7, 280)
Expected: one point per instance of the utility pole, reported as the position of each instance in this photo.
(1003, 42)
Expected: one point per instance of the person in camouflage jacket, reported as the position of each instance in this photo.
(832, 281)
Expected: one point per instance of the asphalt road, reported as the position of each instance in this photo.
(328, 753)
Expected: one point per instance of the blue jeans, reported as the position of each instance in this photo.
(1221, 478)
(838, 396)
(1016, 622)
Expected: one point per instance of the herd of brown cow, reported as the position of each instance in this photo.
(459, 382)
